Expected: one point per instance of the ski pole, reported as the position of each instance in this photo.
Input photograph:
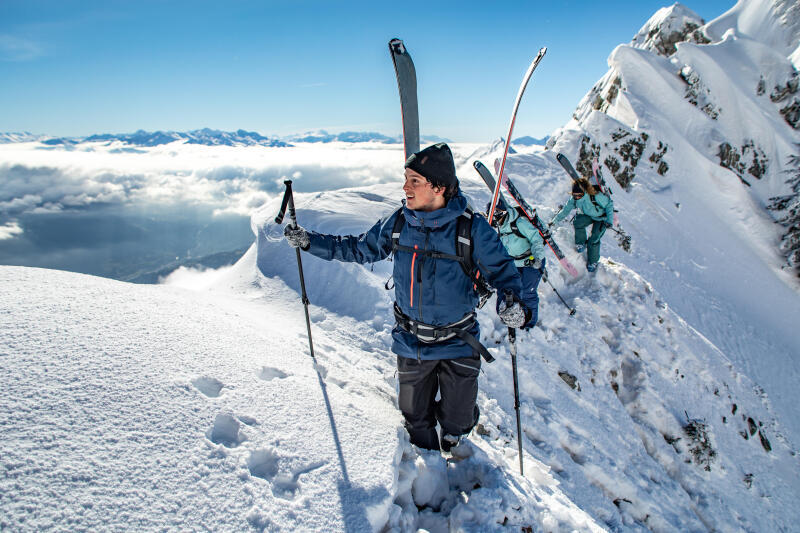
(571, 309)
(512, 341)
(288, 199)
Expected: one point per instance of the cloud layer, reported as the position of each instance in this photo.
(36, 179)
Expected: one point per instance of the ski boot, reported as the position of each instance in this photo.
(591, 267)
(580, 248)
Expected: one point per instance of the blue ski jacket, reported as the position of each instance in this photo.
(602, 209)
(434, 291)
(530, 244)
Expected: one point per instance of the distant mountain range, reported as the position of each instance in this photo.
(211, 137)
(530, 141)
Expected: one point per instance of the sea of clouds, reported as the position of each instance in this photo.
(118, 211)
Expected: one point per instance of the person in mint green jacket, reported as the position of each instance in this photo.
(596, 210)
(524, 244)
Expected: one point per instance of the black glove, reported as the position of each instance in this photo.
(608, 225)
(297, 237)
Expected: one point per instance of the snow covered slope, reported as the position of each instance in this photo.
(154, 408)
(661, 430)
(694, 126)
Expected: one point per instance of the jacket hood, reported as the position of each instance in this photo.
(439, 217)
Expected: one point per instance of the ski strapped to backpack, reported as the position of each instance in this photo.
(529, 212)
(463, 252)
(407, 86)
(520, 92)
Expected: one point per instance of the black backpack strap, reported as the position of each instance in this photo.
(464, 252)
(399, 221)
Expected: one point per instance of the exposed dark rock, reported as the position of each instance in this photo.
(750, 159)
(791, 113)
(782, 91)
(697, 93)
(570, 380)
(700, 446)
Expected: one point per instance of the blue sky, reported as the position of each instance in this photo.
(282, 67)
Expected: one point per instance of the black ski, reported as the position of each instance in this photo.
(568, 166)
(407, 85)
(529, 211)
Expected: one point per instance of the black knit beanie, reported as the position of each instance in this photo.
(576, 188)
(435, 163)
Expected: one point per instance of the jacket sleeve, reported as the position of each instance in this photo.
(610, 211)
(369, 247)
(532, 234)
(492, 259)
(564, 211)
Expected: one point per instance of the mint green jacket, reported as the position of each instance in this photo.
(603, 211)
(516, 246)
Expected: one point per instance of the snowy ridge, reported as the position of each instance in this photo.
(773, 22)
(638, 370)
(667, 403)
(667, 27)
(695, 146)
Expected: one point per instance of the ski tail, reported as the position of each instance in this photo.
(407, 85)
(529, 212)
(522, 87)
(605, 189)
(566, 165)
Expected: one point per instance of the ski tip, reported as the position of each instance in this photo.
(477, 164)
(396, 46)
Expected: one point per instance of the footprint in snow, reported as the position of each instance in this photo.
(211, 387)
(268, 373)
(264, 464)
(225, 431)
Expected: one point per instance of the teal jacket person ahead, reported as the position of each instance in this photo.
(598, 206)
(596, 210)
(523, 243)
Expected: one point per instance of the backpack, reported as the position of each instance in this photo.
(463, 252)
(514, 229)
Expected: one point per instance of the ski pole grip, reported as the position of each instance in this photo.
(286, 196)
(292, 213)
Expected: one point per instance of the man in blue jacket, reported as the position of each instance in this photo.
(596, 210)
(435, 338)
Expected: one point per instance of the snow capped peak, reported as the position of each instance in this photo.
(775, 23)
(18, 137)
(669, 26)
